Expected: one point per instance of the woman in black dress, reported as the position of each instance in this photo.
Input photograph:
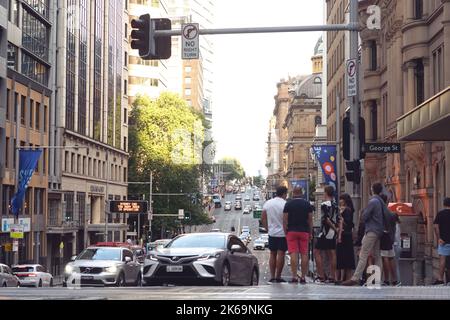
(345, 254)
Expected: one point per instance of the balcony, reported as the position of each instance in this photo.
(61, 221)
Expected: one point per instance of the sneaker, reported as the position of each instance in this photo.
(280, 280)
(386, 283)
(319, 280)
(438, 283)
(396, 284)
(330, 281)
(273, 280)
(302, 280)
(294, 281)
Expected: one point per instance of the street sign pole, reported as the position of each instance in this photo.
(354, 104)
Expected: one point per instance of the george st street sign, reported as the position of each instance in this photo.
(382, 148)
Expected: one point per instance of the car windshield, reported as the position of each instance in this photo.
(100, 254)
(198, 241)
(23, 269)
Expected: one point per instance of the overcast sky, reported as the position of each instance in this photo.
(248, 67)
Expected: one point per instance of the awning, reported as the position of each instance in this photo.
(428, 122)
(402, 209)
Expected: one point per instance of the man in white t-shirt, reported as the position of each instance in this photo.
(272, 220)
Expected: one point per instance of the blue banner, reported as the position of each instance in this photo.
(302, 183)
(326, 156)
(28, 160)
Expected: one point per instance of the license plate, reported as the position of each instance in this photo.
(87, 277)
(174, 269)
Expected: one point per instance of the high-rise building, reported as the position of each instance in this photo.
(89, 119)
(26, 62)
(146, 77)
(192, 79)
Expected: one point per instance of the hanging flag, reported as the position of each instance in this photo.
(28, 160)
(302, 183)
(326, 156)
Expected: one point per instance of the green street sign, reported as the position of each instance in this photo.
(257, 214)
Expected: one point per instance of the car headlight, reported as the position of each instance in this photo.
(208, 256)
(112, 269)
(69, 269)
(152, 257)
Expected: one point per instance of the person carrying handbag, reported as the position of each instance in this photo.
(374, 229)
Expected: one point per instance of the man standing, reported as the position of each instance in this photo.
(374, 228)
(297, 225)
(272, 220)
(442, 231)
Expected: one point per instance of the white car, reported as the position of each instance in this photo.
(7, 279)
(265, 238)
(259, 244)
(227, 206)
(247, 198)
(246, 211)
(245, 229)
(33, 275)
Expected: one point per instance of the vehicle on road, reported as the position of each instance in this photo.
(259, 244)
(238, 197)
(245, 229)
(247, 198)
(7, 278)
(238, 206)
(227, 206)
(32, 275)
(262, 230)
(256, 197)
(218, 257)
(103, 266)
(265, 238)
(246, 210)
(217, 200)
(215, 230)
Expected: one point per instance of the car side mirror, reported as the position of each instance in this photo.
(235, 248)
(73, 258)
(128, 259)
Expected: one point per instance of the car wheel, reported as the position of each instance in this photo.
(121, 280)
(225, 279)
(255, 278)
(139, 280)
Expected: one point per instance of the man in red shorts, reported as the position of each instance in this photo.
(298, 224)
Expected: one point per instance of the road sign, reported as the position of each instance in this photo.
(128, 206)
(190, 48)
(257, 214)
(16, 231)
(352, 76)
(15, 247)
(382, 148)
(181, 214)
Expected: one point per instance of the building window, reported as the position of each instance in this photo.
(125, 87)
(73, 164)
(125, 143)
(35, 35)
(418, 9)
(438, 70)
(67, 161)
(39, 201)
(374, 120)
(45, 118)
(84, 165)
(187, 92)
(13, 13)
(373, 55)
(34, 69)
(8, 94)
(40, 6)
(22, 110)
(37, 116)
(420, 82)
(31, 113)
(125, 177)
(90, 167)
(188, 80)
(81, 199)
(7, 153)
(125, 62)
(125, 116)
(142, 81)
(187, 69)
(68, 199)
(13, 56)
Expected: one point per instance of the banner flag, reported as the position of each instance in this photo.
(326, 156)
(302, 183)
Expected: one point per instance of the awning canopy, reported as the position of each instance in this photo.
(402, 209)
(428, 122)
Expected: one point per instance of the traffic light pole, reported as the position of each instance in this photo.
(354, 106)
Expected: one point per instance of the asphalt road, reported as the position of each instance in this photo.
(235, 218)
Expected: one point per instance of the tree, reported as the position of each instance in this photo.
(166, 137)
(233, 168)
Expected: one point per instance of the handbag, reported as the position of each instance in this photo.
(386, 242)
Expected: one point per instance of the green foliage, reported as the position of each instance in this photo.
(166, 137)
(233, 168)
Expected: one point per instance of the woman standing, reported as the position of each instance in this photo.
(344, 250)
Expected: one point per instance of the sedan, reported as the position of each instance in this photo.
(247, 198)
(33, 275)
(259, 244)
(246, 211)
(218, 257)
(238, 206)
(7, 278)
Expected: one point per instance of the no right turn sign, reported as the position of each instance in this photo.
(190, 48)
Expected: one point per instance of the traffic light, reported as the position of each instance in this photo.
(144, 40)
(346, 128)
(353, 173)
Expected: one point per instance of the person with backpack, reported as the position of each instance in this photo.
(442, 231)
(374, 222)
(326, 241)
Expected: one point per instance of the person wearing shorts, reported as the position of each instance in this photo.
(272, 221)
(297, 224)
(442, 231)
